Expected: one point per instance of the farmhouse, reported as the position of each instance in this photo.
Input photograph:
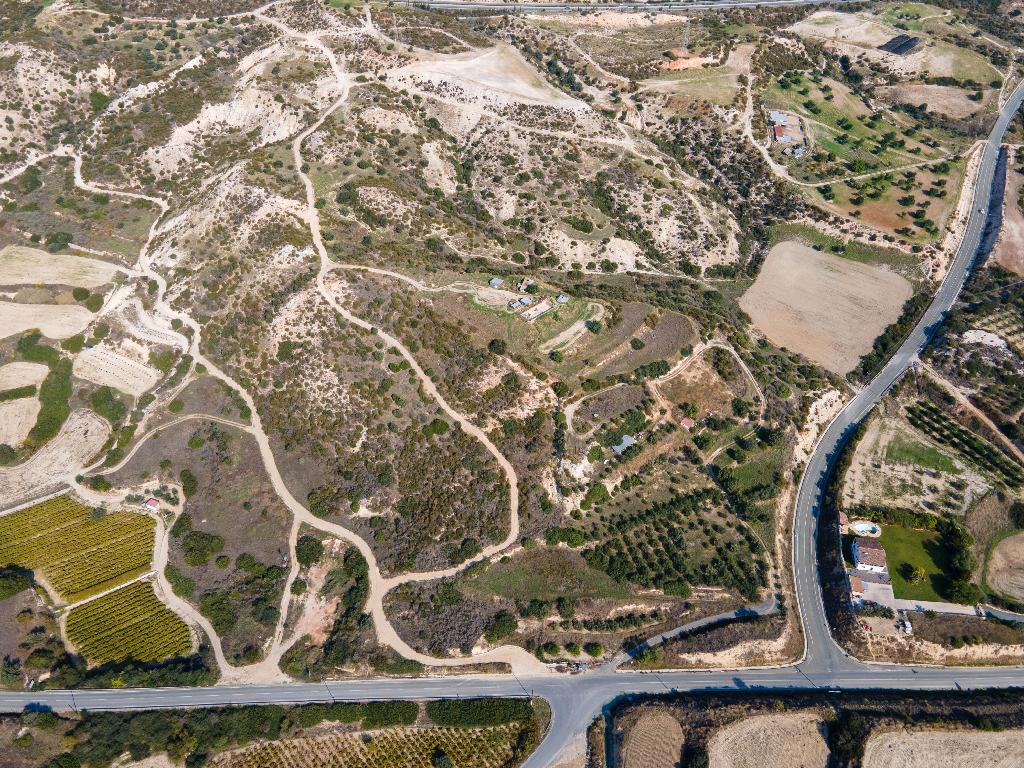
(869, 556)
(495, 282)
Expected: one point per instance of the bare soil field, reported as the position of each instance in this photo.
(78, 441)
(944, 99)
(825, 307)
(771, 741)
(21, 374)
(951, 749)
(55, 321)
(16, 419)
(28, 266)
(104, 366)
(655, 741)
(897, 465)
(1009, 250)
(495, 75)
(845, 27)
(701, 385)
(1006, 566)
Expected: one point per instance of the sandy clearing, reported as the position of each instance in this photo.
(771, 741)
(20, 265)
(494, 74)
(827, 308)
(55, 321)
(79, 440)
(104, 366)
(1006, 566)
(16, 419)
(21, 374)
(654, 741)
(949, 749)
(1009, 250)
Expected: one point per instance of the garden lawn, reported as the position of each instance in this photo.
(919, 548)
(902, 451)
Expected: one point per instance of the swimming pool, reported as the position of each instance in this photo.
(866, 529)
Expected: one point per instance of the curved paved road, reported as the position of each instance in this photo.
(576, 700)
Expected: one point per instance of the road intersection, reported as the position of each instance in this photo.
(576, 699)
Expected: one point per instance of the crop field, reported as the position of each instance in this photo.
(391, 748)
(677, 543)
(78, 552)
(930, 419)
(1008, 323)
(130, 623)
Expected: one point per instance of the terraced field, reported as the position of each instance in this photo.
(78, 551)
(128, 623)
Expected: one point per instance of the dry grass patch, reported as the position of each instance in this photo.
(951, 749)
(825, 307)
(771, 741)
(655, 741)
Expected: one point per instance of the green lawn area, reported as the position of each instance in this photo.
(918, 548)
(545, 574)
(905, 451)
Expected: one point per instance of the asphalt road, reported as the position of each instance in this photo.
(576, 699)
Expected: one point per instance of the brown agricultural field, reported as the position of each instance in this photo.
(654, 741)
(828, 308)
(771, 741)
(945, 749)
(1006, 567)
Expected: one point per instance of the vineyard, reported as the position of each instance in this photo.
(392, 748)
(78, 551)
(128, 623)
(929, 419)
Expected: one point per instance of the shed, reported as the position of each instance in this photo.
(495, 282)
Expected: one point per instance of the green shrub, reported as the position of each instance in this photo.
(379, 714)
(501, 626)
(308, 550)
(478, 713)
(199, 547)
(17, 393)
